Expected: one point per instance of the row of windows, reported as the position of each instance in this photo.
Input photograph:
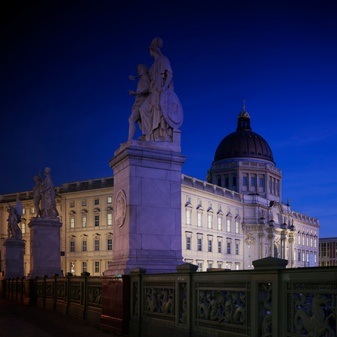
(210, 221)
(211, 264)
(305, 256)
(95, 202)
(307, 240)
(84, 245)
(96, 219)
(219, 245)
(84, 267)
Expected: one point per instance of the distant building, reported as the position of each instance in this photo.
(228, 221)
(328, 252)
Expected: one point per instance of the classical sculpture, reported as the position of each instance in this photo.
(37, 194)
(140, 94)
(14, 218)
(48, 204)
(161, 112)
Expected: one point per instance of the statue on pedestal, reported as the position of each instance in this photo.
(48, 204)
(161, 112)
(14, 218)
(37, 194)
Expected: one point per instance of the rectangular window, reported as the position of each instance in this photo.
(72, 222)
(219, 223)
(209, 220)
(109, 244)
(96, 220)
(237, 227)
(84, 221)
(298, 256)
(199, 244)
(219, 247)
(96, 245)
(84, 246)
(96, 202)
(253, 181)
(109, 200)
(228, 248)
(188, 217)
(23, 211)
(234, 180)
(261, 182)
(72, 204)
(199, 266)
(237, 248)
(199, 219)
(188, 243)
(109, 219)
(84, 267)
(72, 246)
(84, 202)
(245, 181)
(210, 246)
(228, 225)
(96, 266)
(23, 228)
(210, 264)
(32, 210)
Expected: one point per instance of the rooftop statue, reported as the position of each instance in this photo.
(160, 112)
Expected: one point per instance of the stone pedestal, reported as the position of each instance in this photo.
(45, 247)
(14, 250)
(147, 207)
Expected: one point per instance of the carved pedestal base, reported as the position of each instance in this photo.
(13, 265)
(45, 247)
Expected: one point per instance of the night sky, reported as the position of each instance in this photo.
(64, 76)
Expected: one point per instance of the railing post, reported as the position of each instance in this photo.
(85, 294)
(69, 275)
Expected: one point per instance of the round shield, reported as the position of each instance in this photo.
(171, 108)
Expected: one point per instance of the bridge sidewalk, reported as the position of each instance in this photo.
(20, 320)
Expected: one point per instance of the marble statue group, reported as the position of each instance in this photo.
(44, 196)
(156, 109)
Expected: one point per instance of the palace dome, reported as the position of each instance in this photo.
(243, 143)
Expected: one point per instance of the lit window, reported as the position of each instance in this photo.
(188, 216)
(199, 266)
(237, 228)
(23, 228)
(72, 222)
(109, 218)
(109, 200)
(32, 210)
(219, 223)
(109, 244)
(199, 219)
(23, 211)
(228, 225)
(84, 220)
(209, 220)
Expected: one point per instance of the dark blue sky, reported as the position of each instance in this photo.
(64, 99)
